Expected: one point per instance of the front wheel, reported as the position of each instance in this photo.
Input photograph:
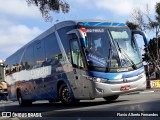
(111, 98)
(65, 95)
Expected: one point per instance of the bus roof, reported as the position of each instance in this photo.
(92, 23)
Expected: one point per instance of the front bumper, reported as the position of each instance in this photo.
(105, 89)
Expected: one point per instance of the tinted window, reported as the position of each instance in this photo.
(65, 39)
(51, 47)
(28, 61)
(76, 54)
(13, 63)
(39, 52)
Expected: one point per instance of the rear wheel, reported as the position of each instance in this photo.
(21, 101)
(111, 98)
(65, 95)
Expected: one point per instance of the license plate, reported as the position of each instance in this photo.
(126, 87)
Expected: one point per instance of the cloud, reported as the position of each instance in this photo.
(13, 36)
(100, 17)
(125, 7)
(19, 8)
(83, 2)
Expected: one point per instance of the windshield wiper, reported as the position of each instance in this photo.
(110, 58)
(124, 53)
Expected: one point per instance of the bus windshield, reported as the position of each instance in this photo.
(111, 48)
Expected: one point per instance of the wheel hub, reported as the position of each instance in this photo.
(66, 95)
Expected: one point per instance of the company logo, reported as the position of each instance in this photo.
(6, 114)
(14, 114)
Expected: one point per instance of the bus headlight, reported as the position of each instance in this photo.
(95, 79)
(99, 80)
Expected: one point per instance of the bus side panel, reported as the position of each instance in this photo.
(43, 86)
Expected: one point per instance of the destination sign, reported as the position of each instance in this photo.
(95, 30)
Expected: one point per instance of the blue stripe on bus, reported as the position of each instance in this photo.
(112, 76)
(100, 24)
(97, 24)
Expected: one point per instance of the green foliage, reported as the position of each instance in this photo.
(152, 47)
(46, 6)
(153, 24)
(146, 56)
(143, 21)
(151, 54)
(131, 25)
(158, 12)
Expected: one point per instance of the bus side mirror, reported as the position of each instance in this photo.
(145, 38)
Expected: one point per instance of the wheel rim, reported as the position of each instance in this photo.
(66, 95)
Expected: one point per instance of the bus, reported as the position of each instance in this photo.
(77, 60)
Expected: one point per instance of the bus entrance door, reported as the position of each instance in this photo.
(82, 85)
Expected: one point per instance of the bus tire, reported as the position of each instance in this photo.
(65, 96)
(21, 101)
(111, 98)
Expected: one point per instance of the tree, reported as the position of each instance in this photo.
(152, 52)
(131, 25)
(45, 6)
(138, 20)
(156, 24)
(143, 21)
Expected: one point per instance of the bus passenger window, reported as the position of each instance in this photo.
(76, 54)
(39, 53)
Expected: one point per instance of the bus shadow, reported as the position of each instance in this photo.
(88, 104)
(46, 107)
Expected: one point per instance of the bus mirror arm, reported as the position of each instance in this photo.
(145, 38)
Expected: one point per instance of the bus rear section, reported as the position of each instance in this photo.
(77, 60)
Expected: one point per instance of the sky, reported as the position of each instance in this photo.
(20, 23)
